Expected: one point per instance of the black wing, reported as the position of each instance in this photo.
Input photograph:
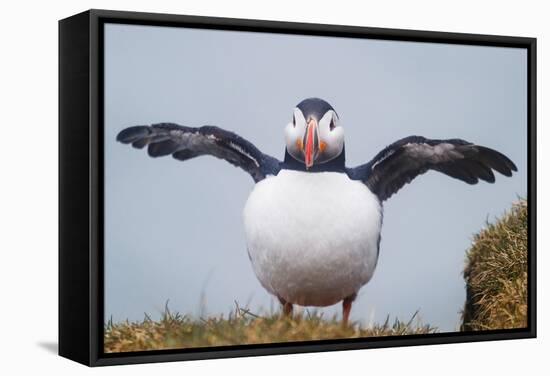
(402, 161)
(187, 142)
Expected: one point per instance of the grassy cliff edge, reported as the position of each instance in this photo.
(240, 328)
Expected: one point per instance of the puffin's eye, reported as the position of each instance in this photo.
(332, 125)
(294, 121)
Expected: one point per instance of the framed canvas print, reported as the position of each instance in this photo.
(235, 187)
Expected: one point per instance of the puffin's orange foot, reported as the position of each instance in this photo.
(287, 307)
(346, 308)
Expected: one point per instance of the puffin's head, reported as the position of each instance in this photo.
(314, 135)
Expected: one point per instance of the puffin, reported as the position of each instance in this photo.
(312, 224)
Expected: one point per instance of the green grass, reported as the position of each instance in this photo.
(242, 327)
(496, 274)
(496, 284)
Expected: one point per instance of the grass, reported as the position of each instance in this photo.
(242, 327)
(496, 286)
(496, 274)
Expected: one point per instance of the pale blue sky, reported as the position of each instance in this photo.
(173, 230)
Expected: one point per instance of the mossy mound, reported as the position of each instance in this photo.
(496, 274)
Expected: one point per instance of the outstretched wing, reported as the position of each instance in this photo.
(402, 161)
(187, 142)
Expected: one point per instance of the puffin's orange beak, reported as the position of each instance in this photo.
(311, 143)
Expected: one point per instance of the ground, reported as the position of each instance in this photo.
(496, 283)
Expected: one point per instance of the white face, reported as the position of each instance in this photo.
(314, 141)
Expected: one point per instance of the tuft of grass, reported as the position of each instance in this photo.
(176, 331)
(496, 274)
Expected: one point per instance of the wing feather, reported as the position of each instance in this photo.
(184, 143)
(401, 162)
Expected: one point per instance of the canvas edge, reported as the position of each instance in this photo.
(74, 221)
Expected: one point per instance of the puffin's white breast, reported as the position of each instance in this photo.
(312, 237)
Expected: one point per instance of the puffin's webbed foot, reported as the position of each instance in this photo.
(346, 308)
(287, 307)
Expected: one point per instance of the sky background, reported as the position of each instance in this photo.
(173, 230)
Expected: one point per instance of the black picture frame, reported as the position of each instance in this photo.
(81, 185)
